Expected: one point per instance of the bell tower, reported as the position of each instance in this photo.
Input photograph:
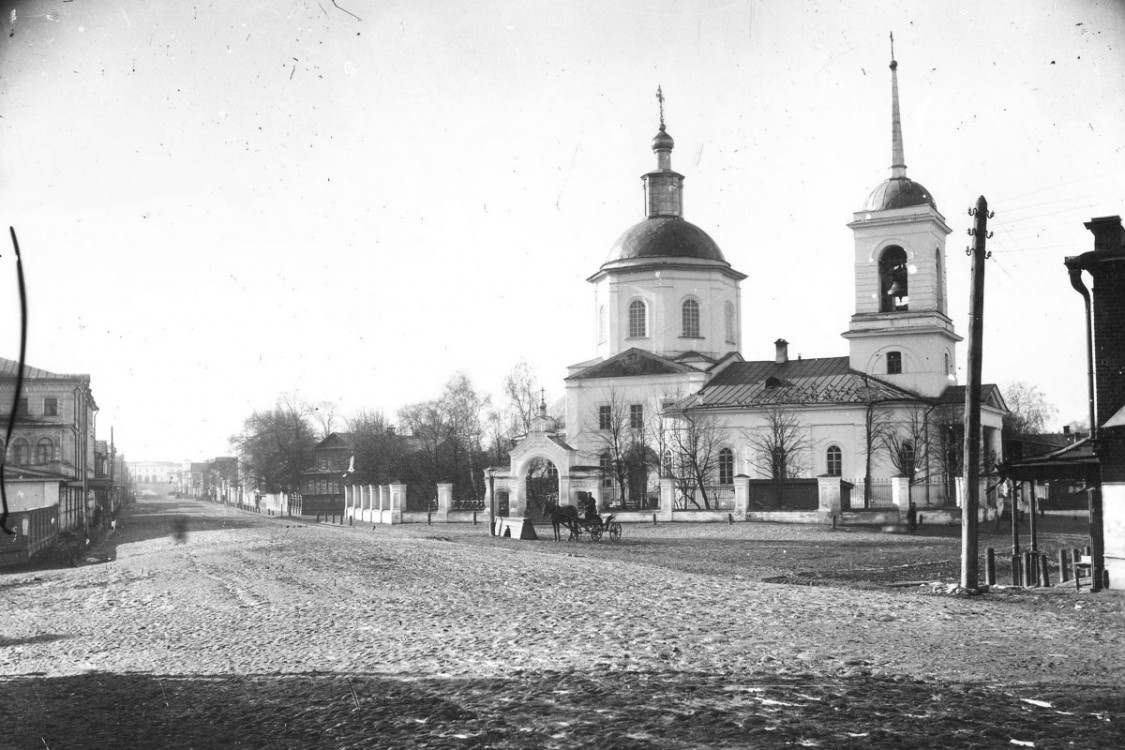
(901, 330)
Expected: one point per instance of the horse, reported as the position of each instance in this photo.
(562, 515)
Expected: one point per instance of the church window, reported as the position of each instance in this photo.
(835, 459)
(636, 416)
(605, 417)
(44, 451)
(637, 322)
(601, 324)
(605, 463)
(894, 363)
(729, 316)
(894, 286)
(50, 406)
(726, 466)
(691, 319)
(908, 458)
(948, 366)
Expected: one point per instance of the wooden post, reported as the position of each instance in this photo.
(1044, 572)
(971, 463)
(1064, 568)
(990, 566)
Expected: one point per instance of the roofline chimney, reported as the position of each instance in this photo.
(781, 355)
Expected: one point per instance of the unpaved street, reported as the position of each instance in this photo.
(264, 632)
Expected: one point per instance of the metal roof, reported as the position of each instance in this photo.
(827, 380)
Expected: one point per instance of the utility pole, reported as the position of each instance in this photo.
(971, 464)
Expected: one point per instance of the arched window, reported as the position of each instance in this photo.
(666, 463)
(908, 458)
(894, 363)
(44, 451)
(637, 322)
(601, 324)
(690, 319)
(21, 452)
(726, 466)
(835, 460)
(948, 365)
(728, 315)
(894, 285)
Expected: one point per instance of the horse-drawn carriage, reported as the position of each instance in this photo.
(588, 522)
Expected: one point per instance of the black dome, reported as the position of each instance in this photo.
(664, 237)
(898, 192)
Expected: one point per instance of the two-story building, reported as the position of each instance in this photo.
(322, 484)
(51, 460)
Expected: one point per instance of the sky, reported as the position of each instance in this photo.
(352, 201)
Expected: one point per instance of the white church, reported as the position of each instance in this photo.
(668, 420)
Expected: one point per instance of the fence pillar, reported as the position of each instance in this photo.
(900, 496)
(397, 492)
(667, 498)
(741, 496)
(828, 495)
(444, 502)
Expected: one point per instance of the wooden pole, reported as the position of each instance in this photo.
(971, 464)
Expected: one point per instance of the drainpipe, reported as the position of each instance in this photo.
(1074, 268)
(1075, 271)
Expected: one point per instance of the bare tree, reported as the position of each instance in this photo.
(615, 438)
(695, 438)
(464, 406)
(780, 450)
(521, 390)
(876, 426)
(326, 416)
(275, 446)
(906, 440)
(1028, 410)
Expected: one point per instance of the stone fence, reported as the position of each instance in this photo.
(386, 503)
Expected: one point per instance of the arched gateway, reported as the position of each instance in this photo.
(543, 468)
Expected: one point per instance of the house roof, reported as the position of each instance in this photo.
(827, 380)
(9, 368)
(336, 439)
(1072, 462)
(633, 363)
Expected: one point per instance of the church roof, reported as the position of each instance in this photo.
(898, 192)
(665, 237)
(989, 396)
(633, 363)
(826, 380)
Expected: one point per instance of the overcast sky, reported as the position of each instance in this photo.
(220, 202)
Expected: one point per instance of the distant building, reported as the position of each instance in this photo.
(322, 484)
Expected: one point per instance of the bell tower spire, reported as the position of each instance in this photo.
(898, 161)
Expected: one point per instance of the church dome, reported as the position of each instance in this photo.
(662, 140)
(665, 237)
(898, 192)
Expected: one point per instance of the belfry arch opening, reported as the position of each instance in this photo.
(894, 282)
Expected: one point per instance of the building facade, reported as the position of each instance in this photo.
(669, 398)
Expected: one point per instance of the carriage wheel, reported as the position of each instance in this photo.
(614, 531)
(596, 533)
